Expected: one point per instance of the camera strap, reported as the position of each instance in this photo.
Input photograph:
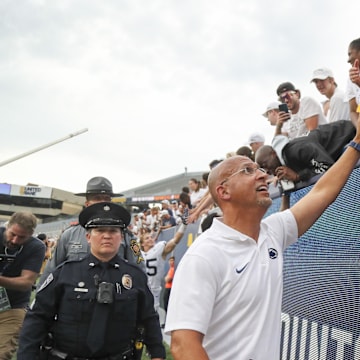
(3, 263)
(2, 245)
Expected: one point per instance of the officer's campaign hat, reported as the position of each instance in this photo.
(104, 214)
(99, 185)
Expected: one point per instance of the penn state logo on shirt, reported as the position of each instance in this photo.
(273, 253)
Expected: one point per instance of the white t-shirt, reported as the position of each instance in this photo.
(352, 91)
(339, 107)
(229, 288)
(195, 197)
(151, 220)
(296, 126)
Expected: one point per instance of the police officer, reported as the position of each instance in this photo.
(93, 306)
(72, 243)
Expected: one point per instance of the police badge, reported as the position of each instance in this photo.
(126, 281)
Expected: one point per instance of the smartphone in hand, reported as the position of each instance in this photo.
(283, 107)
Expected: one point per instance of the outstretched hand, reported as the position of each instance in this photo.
(193, 216)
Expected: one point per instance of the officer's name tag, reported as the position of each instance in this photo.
(81, 290)
(76, 246)
(4, 300)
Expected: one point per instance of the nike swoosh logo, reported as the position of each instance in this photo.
(242, 269)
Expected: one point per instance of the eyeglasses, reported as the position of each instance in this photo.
(247, 170)
(286, 95)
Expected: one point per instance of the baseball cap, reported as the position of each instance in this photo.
(322, 74)
(273, 105)
(286, 86)
(164, 212)
(165, 202)
(256, 137)
(98, 185)
(105, 214)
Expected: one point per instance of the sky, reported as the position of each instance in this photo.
(163, 86)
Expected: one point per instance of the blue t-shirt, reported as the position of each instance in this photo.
(170, 221)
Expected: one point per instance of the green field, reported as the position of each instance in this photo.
(168, 354)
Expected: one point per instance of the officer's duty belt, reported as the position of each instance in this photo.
(58, 355)
(113, 357)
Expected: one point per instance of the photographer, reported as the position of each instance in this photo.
(94, 306)
(305, 114)
(21, 256)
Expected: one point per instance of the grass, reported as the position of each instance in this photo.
(168, 353)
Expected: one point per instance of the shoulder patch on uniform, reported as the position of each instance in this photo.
(48, 280)
(135, 247)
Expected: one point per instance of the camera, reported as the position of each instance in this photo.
(105, 293)
(6, 260)
(283, 107)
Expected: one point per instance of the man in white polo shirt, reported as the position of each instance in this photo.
(225, 302)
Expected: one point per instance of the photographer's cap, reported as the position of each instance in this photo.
(286, 86)
(99, 185)
(272, 106)
(104, 214)
(322, 74)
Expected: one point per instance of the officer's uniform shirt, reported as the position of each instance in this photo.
(73, 245)
(69, 295)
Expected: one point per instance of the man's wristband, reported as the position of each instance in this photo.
(355, 145)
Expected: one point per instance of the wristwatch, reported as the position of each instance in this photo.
(355, 145)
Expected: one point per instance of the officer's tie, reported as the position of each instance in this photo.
(97, 330)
